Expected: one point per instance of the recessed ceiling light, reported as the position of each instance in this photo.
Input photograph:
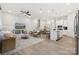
(35, 21)
(40, 11)
(48, 11)
(48, 22)
(9, 11)
(52, 20)
(69, 11)
(67, 4)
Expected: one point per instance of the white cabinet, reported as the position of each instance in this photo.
(53, 35)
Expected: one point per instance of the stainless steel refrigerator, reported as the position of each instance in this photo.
(76, 27)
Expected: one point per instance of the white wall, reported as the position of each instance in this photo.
(42, 23)
(0, 20)
(9, 20)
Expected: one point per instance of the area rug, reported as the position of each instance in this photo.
(21, 44)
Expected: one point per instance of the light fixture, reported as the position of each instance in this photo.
(25, 13)
(67, 4)
(69, 11)
(35, 21)
(41, 11)
(48, 11)
(9, 11)
(52, 21)
(48, 22)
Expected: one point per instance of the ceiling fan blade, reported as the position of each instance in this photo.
(28, 14)
(25, 12)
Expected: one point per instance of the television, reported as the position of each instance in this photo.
(20, 26)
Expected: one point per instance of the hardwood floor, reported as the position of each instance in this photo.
(65, 46)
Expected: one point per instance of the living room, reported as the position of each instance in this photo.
(30, 29)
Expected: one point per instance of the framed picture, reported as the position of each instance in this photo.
(20, 26)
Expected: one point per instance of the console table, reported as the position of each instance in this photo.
(7, 44)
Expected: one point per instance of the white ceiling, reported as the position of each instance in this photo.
(48, 9)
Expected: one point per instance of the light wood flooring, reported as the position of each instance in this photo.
(65, 46)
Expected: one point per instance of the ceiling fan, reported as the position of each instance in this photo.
(26, 13)
(23, 12)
